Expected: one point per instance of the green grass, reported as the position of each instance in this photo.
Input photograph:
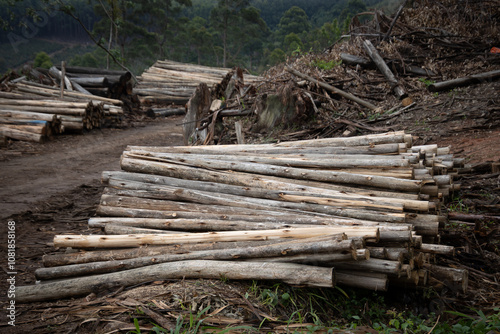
(307, 310)
(326, 65)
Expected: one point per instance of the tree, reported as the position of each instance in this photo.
(236, 23)
(198, 36)
(293, 43)
(42, 60)
(294, 20)
(277, 56)
(353, 7)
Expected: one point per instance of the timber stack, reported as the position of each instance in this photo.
(32, 111)
(355, 211)
(169, 82)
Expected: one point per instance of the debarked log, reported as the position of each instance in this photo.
(118, 241)
(275, 250)
(53, 260)
(166, 167)
(382, 66)
(215, 204)
(373, 265)
(291, 273)
(485, 77)
(364, 280)
(262, 187)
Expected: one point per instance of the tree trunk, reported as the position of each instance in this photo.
(117, 241)
(382, 66)
(52, 260)
(465, 81)
(272, 251)
(291, 273)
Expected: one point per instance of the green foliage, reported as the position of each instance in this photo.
(326, 65)
(480, 324)
(295, 20)
(427, 82)
(42, 60)
(213, 32)
(457, 205)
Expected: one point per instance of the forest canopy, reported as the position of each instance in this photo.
(254, 34)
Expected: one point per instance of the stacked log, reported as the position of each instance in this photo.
(35, 112)
(94, 80)
(349, 211)
(169, 82)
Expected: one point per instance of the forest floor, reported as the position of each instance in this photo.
(53, 188)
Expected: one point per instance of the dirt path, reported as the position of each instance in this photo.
(73, 160)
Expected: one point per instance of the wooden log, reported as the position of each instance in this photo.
(120, 229)
(43, 103)
(391, 148)
(61, 76)
(373, 265)
(20, 135)
(451, 277)
(249, 198)
(100, 82)
(382, 66)
(139, 164)
(189, 225)
(146, 217)
(437, 249)
(216, 203)
(49, 109)
(405, 281)
(331, 163)
(39, 127)
(320, 259)
(272, 251)
(52, 260)
(355, 60)
(260, 186)
(291, 273)
(30, 87)
(332, 89)
(180, 208)
(364, 280)
(118, 241)
(485, 77)
(79, 88)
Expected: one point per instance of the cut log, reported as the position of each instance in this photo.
(117, 241)
(382, 66)
(450, 277)
(162, 167)
(187, 225)
(128, 253)
(465, 81)
(20, 135)
(373, 265)
(272, 251)
(291, 273)
(363, 280)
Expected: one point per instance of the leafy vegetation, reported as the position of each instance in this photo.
(254, 34)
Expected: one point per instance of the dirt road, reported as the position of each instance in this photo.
(72, 160)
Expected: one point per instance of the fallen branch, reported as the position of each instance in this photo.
(332, 89)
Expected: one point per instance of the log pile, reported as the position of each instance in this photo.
(359, 211)
(34, 112)
(170, 82)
